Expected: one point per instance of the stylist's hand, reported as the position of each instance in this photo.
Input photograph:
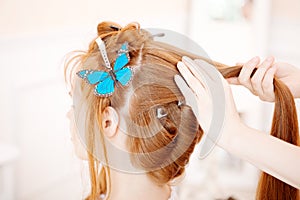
(195, 73)
(261, 83)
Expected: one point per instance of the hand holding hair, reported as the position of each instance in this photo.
(276, 157)
(203, 87)
(258, 78)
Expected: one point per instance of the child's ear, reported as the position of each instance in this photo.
(110, 121)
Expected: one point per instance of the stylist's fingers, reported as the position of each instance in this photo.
(195, 69)
(267, 85)
(189, 95)
(194, 83)
(195, 93)
(246, 71)
(258, 77)
(235, 80)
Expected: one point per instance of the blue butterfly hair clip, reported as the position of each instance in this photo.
(105, 81)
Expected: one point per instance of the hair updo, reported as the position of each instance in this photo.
(160, 145)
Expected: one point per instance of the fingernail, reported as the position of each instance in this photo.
(255, 59)
(272, 69)
(186, 59)
(180, 65)
(228, 80)
(270, 58)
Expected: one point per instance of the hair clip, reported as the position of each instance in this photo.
(180, 103)
(158, 35)
(105, 81)
(160, 113)
(115, 27)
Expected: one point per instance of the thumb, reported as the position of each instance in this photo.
(233, 80)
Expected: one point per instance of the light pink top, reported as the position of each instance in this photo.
(173, 195)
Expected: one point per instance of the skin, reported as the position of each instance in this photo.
(124, 186)
(261, 84)
(239, 139)
(78, 147)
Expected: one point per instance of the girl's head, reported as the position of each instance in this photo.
(148, 118)
(160, 130)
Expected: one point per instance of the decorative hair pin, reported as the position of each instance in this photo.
(160, 113)
(115, 27)
(105, 81)
(180, 103)
(158, 35)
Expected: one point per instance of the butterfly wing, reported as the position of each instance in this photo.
(105, 88)
(121, 61)
(104, 81)
(93, 76)
(123, 57)
(124, 75)
(83, 73)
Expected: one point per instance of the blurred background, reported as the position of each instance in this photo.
(37, 161)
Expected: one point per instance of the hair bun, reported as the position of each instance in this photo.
(107, 28)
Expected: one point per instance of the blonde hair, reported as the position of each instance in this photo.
(153, 87)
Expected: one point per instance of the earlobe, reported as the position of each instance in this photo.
(110, 121)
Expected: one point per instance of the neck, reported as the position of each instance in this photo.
(136, 186)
